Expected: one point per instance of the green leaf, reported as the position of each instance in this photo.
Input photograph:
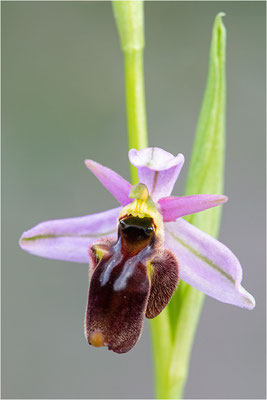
(206, 171)
(205, 175)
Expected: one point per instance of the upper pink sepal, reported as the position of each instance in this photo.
(157, 169)
(175, 207)
(113, 182)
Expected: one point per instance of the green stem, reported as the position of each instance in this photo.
(135, 103)
(162, 349)
(129, 16)
(191, 303)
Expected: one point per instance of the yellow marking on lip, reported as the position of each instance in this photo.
(99, 251)
(150, 270)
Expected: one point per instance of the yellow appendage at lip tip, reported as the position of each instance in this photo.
(96, 339)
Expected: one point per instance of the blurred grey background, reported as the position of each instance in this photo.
(63, 101)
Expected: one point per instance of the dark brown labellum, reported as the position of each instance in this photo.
(129, 278)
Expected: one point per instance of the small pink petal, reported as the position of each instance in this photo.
(68, 239)
(112, 181)
(157, 169)
(176, 207)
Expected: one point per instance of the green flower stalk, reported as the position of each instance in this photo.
(129, 16)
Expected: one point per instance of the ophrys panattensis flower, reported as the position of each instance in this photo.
(139, 250)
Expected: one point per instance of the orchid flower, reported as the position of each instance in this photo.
(140, 250)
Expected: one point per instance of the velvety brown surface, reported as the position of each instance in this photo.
(130, 278)
(117, 300)
(164, 280)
